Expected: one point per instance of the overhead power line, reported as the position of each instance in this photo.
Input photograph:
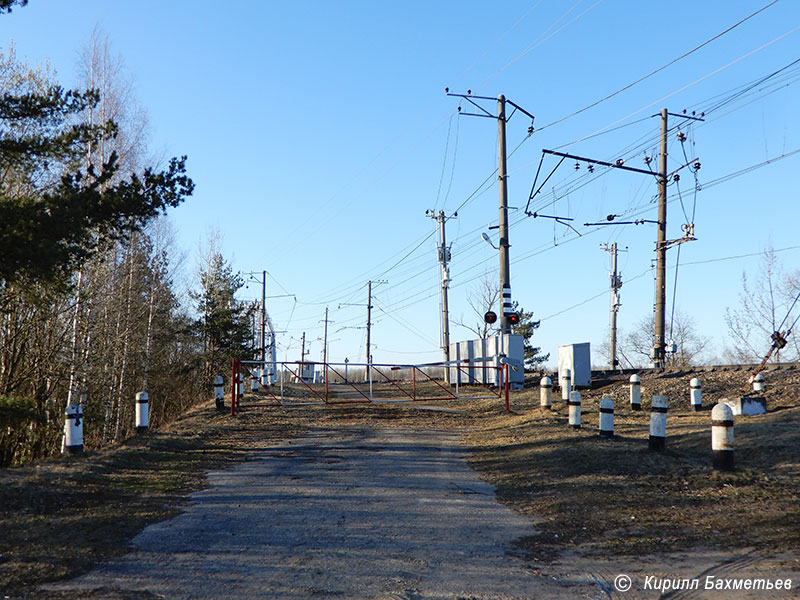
(685, 87)
(661, 68)
(541, 40)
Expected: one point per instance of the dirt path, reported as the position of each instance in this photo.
(356, 513)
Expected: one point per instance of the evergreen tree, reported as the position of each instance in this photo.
(7, 5)
(57, 208)
(526, 328)
(224, 320)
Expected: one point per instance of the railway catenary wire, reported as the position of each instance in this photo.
(465, 277)
(659, 69)
(647, 140)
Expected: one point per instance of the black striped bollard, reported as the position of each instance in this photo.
(695, 394)
(636, 392)
(574, 410)
(546, 392)
(566, 385)
(254, 380)
(658, 423)
(758, 383)
(607, 417)
(142, 412)
(219, 392)
(73, 429)
(722, 437)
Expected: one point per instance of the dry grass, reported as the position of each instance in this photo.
(586, 493)
(614, 496)
(61, 516)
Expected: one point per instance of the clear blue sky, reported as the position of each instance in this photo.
(318, 133)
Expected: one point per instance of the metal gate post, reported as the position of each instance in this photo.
(507, 382)
(369, 369)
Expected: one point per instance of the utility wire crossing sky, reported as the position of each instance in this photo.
(318, 134)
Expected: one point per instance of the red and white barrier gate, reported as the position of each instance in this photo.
(308, 383)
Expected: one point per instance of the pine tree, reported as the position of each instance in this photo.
(526, 328)
(224, 320)
(55, 208)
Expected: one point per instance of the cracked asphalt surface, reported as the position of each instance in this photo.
(347, 512)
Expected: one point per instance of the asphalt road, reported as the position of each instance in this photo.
(347, 513)
(385, 514)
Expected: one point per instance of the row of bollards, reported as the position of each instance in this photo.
(73, 418)
(73, 423)
(695, 391)
(722, 434)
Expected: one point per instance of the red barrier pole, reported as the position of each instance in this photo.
(507, 382)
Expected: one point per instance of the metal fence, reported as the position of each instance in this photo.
(311, 383)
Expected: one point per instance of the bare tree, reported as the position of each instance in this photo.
(766, 305)
(636, 344)
(104, 71)
(482, 298)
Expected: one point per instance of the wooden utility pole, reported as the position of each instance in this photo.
(658, 352)
(325, 348)
(616, 284)
(661, 252)
(369, 320)
(505, 274)
(444, 260)
(263, 320)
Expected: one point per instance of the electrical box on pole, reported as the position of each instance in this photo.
(443, 251)
(369, 321)
(615, 285)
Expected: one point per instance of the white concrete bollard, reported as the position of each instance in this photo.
(695, 394)
(142, 412)
(264, 377)
(219, 391)
(758, 383)
(722, 437)
(566, 384)
(73, 429)
(240, 387)
(254, 381)
(658, 423)
(545, 392)
(574, 410)
(636, 392)
(607, 417)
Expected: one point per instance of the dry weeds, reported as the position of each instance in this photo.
(586, 494)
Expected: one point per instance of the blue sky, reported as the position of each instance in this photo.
(318, 133)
